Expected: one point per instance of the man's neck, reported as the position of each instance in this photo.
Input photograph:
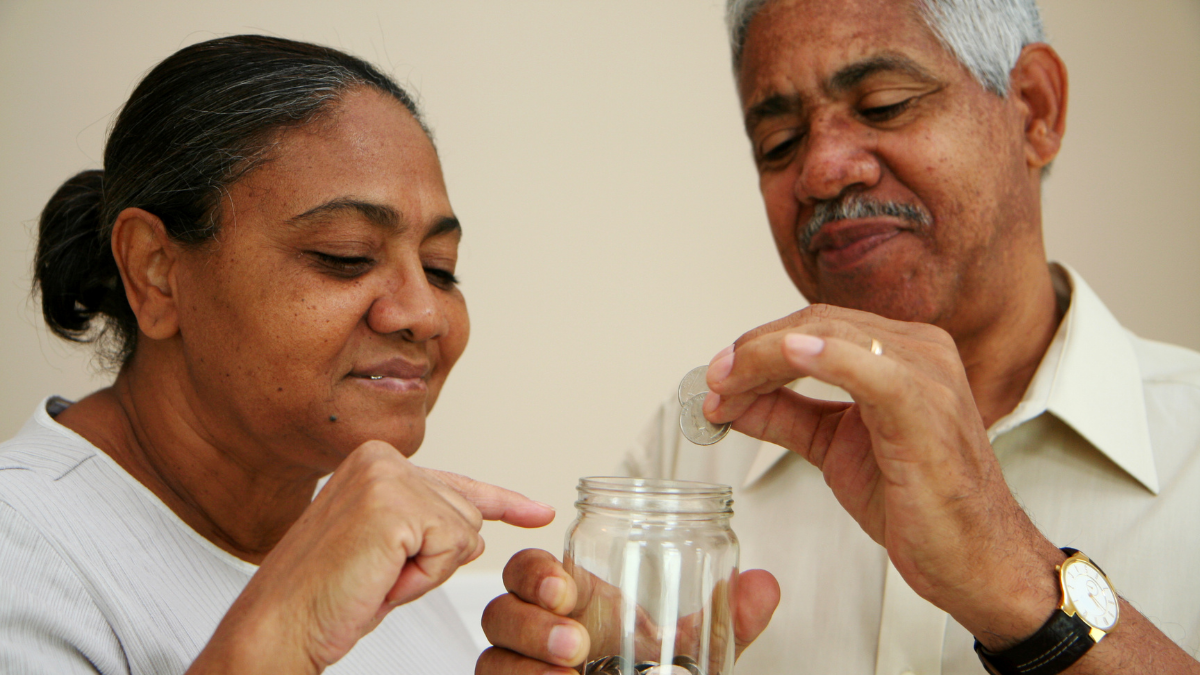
(1002, 357)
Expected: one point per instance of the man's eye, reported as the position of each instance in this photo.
(440, 278)
(778, 147)
(884, 113)
(343, 266)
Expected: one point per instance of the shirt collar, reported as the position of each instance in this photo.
(1089, 378)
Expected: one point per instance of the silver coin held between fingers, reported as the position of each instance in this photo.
(693, 383)
(695, 427)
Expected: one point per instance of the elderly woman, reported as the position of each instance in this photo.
(269, 258)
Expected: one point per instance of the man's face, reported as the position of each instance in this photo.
(894, 182)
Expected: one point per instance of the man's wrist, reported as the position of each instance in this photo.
(1024, 596)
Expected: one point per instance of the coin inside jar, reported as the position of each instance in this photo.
(608, 665)
(666, 670)
(695, 427)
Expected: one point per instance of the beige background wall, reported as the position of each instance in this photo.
(614, 234)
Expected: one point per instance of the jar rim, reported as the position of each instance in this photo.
(653, 486)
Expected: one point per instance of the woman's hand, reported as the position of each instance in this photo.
(532, 632)
(381, 533)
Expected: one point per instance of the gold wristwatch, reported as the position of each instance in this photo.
(1089, 611)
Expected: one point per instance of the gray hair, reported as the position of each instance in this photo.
(986, 36)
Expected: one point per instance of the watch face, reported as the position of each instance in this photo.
(1093, 598)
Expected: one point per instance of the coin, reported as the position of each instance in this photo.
(695, 427)
(689, 664)
(693, 383)
(608, 665)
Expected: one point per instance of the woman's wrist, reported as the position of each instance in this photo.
(254, 639)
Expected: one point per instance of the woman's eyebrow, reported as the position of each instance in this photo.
(378, 214)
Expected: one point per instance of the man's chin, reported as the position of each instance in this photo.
(895, 300)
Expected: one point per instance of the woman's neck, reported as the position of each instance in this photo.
(237, 498)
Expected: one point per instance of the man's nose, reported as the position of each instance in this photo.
(839, 153)
(409, 306)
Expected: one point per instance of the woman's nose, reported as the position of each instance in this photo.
(839, 153)
(410, 307)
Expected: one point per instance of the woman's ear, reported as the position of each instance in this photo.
(1039, 88)
(146, 257)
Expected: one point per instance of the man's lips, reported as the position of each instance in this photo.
(843, 243)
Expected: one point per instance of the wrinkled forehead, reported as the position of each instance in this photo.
(792, 45)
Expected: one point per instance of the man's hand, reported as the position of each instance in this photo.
(909, 459)
(532, 633)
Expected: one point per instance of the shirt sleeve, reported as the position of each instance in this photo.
(48, 621)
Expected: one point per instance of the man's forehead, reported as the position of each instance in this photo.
(794, 44)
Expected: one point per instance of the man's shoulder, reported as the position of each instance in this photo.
(1166, 364)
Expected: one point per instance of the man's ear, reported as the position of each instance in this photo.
(146, 257)
(1039, 88)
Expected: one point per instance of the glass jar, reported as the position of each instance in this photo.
(655, 563)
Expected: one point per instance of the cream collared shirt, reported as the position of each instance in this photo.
(1103, 451)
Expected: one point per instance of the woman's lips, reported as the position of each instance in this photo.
(394, 384)
(842, 244)
(398, 375)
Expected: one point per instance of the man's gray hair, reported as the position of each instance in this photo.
(986, 36)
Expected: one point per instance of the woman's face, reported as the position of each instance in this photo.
(326, 312)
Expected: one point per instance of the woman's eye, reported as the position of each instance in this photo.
(440, 278)
(343, 266)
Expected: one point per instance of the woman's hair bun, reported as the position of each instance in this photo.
(74, 267)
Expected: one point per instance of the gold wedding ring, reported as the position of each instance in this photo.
(876, 347)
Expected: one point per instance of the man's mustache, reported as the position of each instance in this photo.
(857, 205)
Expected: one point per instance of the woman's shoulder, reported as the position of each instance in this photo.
(73, 522)
(79, 498)
(49, 621)
(43, 450)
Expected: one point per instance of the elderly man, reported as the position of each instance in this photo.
(998, 410)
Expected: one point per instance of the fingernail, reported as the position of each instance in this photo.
(545, 506)
(799, 344)
(552, 592)
(711, 402)
(564, 642)
(719, 369)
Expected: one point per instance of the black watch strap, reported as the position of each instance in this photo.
(1059, 643)
(1063, 640)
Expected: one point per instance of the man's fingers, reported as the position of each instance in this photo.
(756, 367)
(540, 634)
(538, 578)
(497, 661)
(497, 503)
(755, 602)
(877, 383)
(784, 418)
